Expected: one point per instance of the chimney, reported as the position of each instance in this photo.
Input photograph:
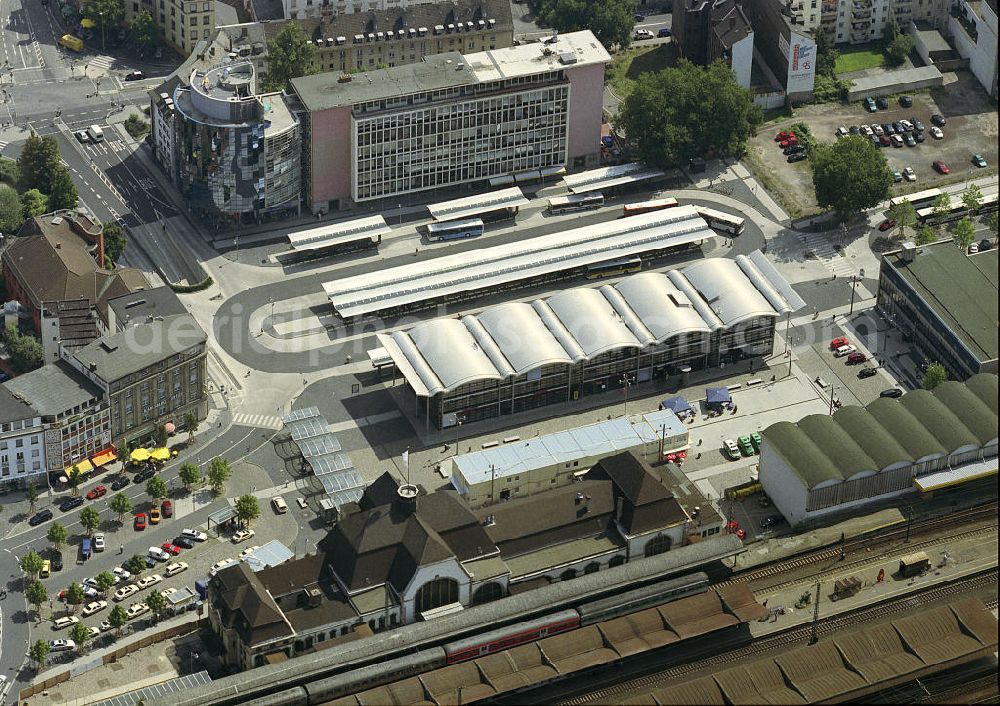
(908, 252)
(315, 596)
(406, 500)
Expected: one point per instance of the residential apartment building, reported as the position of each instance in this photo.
(301, 9)
(150, 373)
(452, 119)
(972, 26)
(74, 412)
(707, 30)
(860, 21)
(182, 23)
(22, 448)
(404, 35)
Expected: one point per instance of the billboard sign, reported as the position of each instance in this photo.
(801, 55)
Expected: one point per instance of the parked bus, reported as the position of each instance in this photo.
(717, 220)
(455, 230)
(918, 199)
(613, 268)
(576, 202)
(634, 209)
(929, 215)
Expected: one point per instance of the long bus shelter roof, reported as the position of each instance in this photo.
(338, 233)
(494, 267)
(609, 177)
(322, 451)
(583, 323)
(471, 206)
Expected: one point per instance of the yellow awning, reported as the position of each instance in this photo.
(103, 458)
(161, 454)
(82, 466)
(87, 23)
(139, 454)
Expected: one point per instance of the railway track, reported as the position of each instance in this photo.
(797, 636)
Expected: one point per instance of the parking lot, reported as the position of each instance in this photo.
(971, 128)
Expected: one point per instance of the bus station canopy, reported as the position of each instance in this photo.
(322, 451)
(609, 177)
(338, 234)
(473, 206)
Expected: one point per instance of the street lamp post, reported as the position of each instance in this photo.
(101, 15)
(832, 388)
(626, 380)
(854, 281)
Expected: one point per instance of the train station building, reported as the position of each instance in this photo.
(519, 356)
(403, 555)
(923, 442)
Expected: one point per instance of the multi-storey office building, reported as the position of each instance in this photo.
(452, 119)
(182, 23)
(22, 450)
(237, 154)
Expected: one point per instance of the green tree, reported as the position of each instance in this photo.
(74, 479)
(118, 618)
(850, 175)
(897, 50)
(114, 240)
(105, 582)
(190, 474)
(972, 198)
(289, 55)
(31, 563)
(905, 216)
(90, 518)
(63, 194)
(32, 494)
(121, 505)
(157, 603)
(826, 56)
(38, 162)
(942, 205)
(36, 595)
(80, 634)
(34, 203)
(247, 509)
(160, 435)
(11, 210)
(190, 425)
(136, 565)
(74, 594)
(688, 111)
(926, 235)
(143, 30)
(156, 488)
(994, 222)
(39, 652)
(106, 13)
(935, 375)
(218, 473)
(25, 350)
(964, 232)
(611, 21)
(57, 534)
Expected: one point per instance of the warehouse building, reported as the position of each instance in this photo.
(922, 442)
(946, 301)
(519, 355)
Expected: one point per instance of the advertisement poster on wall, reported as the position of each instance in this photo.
(801, 56)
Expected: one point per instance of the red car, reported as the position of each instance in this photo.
(169, 548)
(140, 522)
(856, 357)
(793, 140)
(886, 224)
(941, 167)
(167, 508)
(98, 492)
(837, 343)
(783, 135)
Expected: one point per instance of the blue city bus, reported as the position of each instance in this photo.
(455, 230)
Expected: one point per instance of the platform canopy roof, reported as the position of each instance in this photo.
(322, 451)
(478, 205)
(338, 233)
(609, 177)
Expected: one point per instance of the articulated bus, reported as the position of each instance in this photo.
(929, 215)
(576, 202)
(634, 209)
(717, 220)
(455, 230)
(612, 268)
(918, 199)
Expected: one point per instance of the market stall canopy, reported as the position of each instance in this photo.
(83, 466)
(103, 458)
(139, 454)
(717, 395)
(170, 427)
(161, 454)
(677, 405)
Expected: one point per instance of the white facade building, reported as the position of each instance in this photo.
(973, 29)
(22, 441)
(300, 9)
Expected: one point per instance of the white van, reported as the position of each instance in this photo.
(158, 554)
(844, 350)
(96, 133)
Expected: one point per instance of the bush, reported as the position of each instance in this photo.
(827, 89)
(9, 173)
(11, 210)
(189, 288)
(897, 50)
(136, 126)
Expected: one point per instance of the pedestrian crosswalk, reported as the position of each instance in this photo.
(100, 62)
(3, 145)
(261, 421)
(822, 245)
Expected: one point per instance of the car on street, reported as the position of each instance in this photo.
(135, 610)
(143, 476)
(119, 483)
(838, 342)
(134, 76)
(248, 551)
(81, 136)
(61, 645)
(910, 140)
(167, 508)
(906, 101)
(856, 357)
(194, 534)
(663, 32)
(940, 167)
(917, 125)
(71, 503)
(897, 141)
(638, 17)
(220, 565)
(158, 54)
(794, 149)
(793, 140)
(148, 581)
(40, 517)
(243, 535)
(125, 591)
(731, 450)
(887, 224)
(171, 549)
(175, 568)
(892, 393)
(771, 521)
(158, 554)
(867, 373)
(978, 160)
(909, 174)
(641, 34)
(797, 157)
(121, 573)
(154, 516)
(99, 491)
(882, 103)
(870, 106)
(783, 135)
(897, 177)
(938, 119)
(184, 542)
(99, 543)
(936, 133)
(94, 607)
(139, 523)
(844, 350)
(65, 621)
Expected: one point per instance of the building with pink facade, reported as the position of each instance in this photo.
(452, 119)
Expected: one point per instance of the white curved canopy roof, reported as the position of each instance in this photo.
(591, 321)
(729, 292)
(664, 309)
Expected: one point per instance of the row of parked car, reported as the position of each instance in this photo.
(744, 446)
(788, 141)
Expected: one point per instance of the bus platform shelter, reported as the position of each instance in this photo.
(334, 237)
(607, 178)
(496, 205)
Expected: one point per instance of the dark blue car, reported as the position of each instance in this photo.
(664, 32)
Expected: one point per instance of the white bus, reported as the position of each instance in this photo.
(455, 230)
(717, 220)
(918, 199)
(576, 202)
